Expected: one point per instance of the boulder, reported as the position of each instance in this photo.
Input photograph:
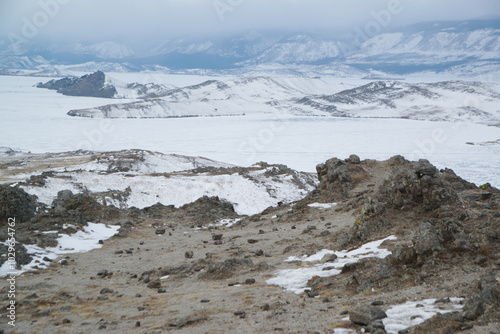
(366, 315)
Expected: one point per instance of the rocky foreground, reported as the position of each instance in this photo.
(204, 268)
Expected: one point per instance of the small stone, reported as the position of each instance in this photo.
(64, 262)
(189, 254)
(265, 307)
(66, 321)
(43, 313)
(249, 281)
(103, 273)
(239, 313)
(141, 308)
(261, 232)
(328, 258)
(137, 324)
(162, 290)
(138, 295)
(205, 300)
(217, 237)
(100, 242)
(252, 241)
(377, 303)
(378, 324)
(312, 294)
(294, 227)
(443, 300)
(275, 229)
(344, 312)
(46, 259)
(160, 231)
(119, 252)
(326, 300)
(260, 252)
(156, 284)
(106, 290)
(102, 327)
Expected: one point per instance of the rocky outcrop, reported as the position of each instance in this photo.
(16, 203)
(92, 85)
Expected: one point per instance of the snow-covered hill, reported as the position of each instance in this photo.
(216, 98)
(441, 101)
(143, 178)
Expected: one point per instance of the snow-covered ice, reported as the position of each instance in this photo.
(295, 280)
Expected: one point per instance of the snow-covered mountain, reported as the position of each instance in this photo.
(462, 47)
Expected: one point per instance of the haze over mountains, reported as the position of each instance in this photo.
(455, 47)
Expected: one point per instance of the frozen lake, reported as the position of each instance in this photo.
(35, 120)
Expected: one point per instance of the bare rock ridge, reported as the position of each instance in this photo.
(175, 269)
(448, 222)
(92, 85)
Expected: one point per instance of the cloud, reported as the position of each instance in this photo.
(152, 21)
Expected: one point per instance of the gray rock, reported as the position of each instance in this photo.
(426, 239)
(106, 290)
(328, 258)
(189, 254)
(366, 315)
(217, 237)
(475, 311)
(353, 159)
(154, 284)
(183, 321)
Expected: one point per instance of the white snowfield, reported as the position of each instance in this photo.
(79, 242)
(153, 177)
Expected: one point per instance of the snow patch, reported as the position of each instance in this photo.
(79, 242)
(295, 280)
(322, 205)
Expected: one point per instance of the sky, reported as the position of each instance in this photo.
(153, 21)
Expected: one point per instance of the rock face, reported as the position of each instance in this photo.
(16, 203)
(92, 85)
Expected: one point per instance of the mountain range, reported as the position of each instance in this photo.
(463, 47)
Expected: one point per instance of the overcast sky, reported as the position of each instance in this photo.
(134, 21)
